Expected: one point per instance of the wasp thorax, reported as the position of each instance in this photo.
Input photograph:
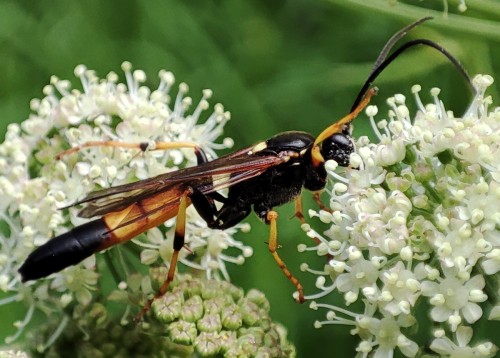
(338, 147)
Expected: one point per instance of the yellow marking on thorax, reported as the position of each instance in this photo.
(258, 147)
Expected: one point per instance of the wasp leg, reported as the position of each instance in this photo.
(272, 217)
(200, 154)
(205, 206)
(229, 215)
(180, 232)
(317, 199)
(299, 213)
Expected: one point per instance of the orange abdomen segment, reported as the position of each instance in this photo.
(82, 241)
(139, 217)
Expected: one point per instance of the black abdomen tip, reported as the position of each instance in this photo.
(64, 250)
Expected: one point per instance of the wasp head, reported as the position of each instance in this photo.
(338, 147)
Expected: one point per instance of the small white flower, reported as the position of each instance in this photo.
(446, 347)
(403, 287)
(386, 334)
(361, 274)
(452, 296)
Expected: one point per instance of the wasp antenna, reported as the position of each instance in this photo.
(387, 61)
(338, 127)
(394, 39)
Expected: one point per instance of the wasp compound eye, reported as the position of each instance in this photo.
(338, 147)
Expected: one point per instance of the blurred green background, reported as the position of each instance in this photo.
(276, 65)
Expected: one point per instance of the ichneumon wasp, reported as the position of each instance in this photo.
(259, 178)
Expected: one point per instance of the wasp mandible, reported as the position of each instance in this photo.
(259, 178)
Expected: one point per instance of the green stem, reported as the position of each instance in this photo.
(491, 8)
(422, 212)
(432, 192)
(456, 23)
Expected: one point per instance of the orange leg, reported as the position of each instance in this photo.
(317, 199)
(140, 146)
(180, 233)
(299, 214)
(272, 217)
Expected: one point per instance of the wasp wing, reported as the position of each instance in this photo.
(207, 177)
(171, 177)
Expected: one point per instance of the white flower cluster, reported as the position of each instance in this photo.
(33, 185)
(417, 223)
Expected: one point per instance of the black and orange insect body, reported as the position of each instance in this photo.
(261, 177)
(258, 178)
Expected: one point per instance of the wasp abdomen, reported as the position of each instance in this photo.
(65, 250)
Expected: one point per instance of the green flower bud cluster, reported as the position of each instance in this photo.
(217, 318)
